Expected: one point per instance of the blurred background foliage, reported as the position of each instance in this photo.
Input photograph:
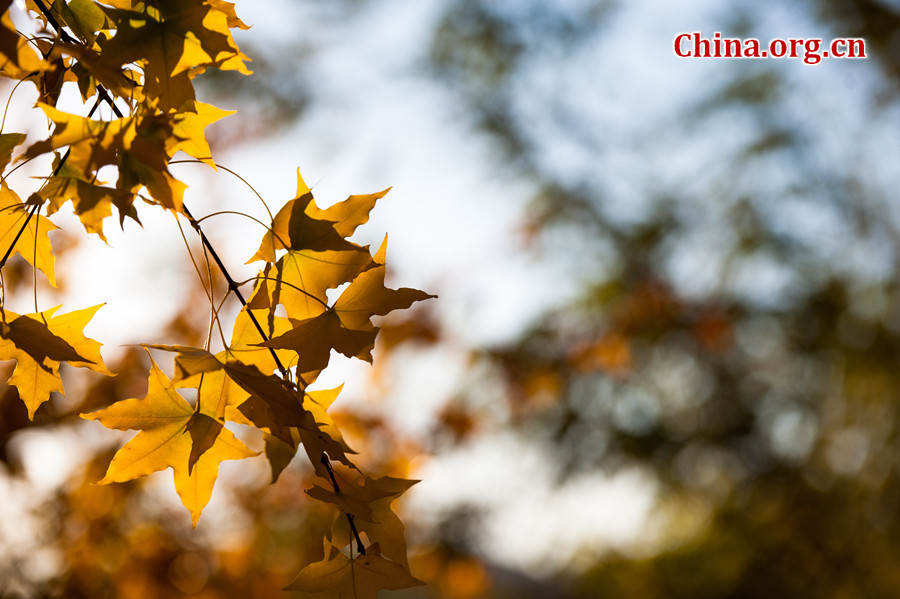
(733, 336)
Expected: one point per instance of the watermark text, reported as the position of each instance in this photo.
(809, 50)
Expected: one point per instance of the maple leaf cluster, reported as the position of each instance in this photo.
(140, 58)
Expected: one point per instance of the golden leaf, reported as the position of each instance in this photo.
(312, 225)
(349, 214)
(367, 296)
(188, 131)
(38, 343)
(34, 242)
(171, 39)
(168, 431)
(314, 338)
(17, 58)
(8, 141)
(140, 146)
(301, 278)
(91, 202)
(336, 576)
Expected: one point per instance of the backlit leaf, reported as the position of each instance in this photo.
(338, 577)
(367, 296)
(349, 214)
(34, 242)
(17, 57)
(168, 432)
(8, 141)
(38, 343)
(170, 40)
(314, 338)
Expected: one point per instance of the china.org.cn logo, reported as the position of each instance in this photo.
(810, 50)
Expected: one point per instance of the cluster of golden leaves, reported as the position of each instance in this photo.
(141, 58)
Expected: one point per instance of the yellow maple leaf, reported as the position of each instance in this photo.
(172, 40)
(91, 202)
(140, 146)
(135, 144)
(337, 576)
(92, 143)
(38, 343)
(168, 434)
(383, 526)
(35, 382)
(188, 131)
(343, 217)
(367, 296)
(314, 338)
(300, 279)
(349, 214)
(17, 58)
(34, 242)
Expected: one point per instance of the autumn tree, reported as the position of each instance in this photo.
(140, 59)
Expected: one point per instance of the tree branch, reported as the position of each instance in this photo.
(51, 20)
(37, 206)
(233, 287)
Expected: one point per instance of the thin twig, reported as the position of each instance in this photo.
(228, 170)
(51, 20)
(64, 36)
(37, 207)
(207, 290)
(101, 97)
(337, 491)
(232, 286)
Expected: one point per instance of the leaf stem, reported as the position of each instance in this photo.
(209, 291)
(9, 99)
(337, 491)
(232, 285)
(261, 277)
(228, 170)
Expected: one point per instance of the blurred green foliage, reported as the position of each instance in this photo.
(770, 418)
